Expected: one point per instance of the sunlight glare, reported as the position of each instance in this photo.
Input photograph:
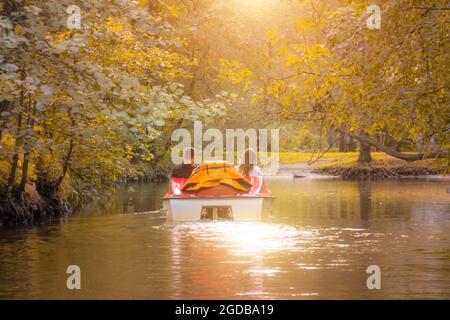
(253, 237)
(254, 4)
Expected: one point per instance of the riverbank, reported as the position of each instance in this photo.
(382, 169)
(30, 208)
(345, 165)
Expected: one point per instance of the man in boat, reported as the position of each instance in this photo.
(185, 169)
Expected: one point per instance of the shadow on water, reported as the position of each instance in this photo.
(365, 201)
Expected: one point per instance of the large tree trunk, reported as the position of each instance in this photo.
(364, 153)
(12, 174)
(23, 181)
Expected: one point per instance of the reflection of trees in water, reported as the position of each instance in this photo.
(386, 199)
(317, 199)
(359, 200)
(365, 199)
(14, 279)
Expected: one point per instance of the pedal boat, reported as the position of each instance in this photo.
(217, 203)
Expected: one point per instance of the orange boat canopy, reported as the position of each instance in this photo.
(214, 174)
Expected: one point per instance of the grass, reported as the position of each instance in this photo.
(387, 164)
(301, 157)
(381, 162)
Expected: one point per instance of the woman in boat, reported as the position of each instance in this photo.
(248, 167)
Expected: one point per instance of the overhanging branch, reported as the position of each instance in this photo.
(392, 152)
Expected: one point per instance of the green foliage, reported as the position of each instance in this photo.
(82, 104)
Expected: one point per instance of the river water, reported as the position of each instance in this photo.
(323, 235)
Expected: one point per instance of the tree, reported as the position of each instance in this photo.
(359, 81)
(79, 105)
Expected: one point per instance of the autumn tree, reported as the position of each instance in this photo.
(358, 81)
(78, 105)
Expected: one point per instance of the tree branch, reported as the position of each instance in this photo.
(392, 152)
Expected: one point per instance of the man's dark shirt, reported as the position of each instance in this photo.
(183, 170)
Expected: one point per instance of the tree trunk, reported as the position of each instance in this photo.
(12, 174)
(342, 141)
(4, 106)
(15, 159)
(364, 150)
(66, 163)
(27, 146)
(23, 181)
(364, 153)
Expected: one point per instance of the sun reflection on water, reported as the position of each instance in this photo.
(248, 238)
(244, 257)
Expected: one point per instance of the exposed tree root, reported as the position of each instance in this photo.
(366, 172)
(24, 210)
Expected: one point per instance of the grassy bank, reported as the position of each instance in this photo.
(383, 166)
(305, 157)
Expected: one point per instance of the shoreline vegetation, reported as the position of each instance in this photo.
(345, 165)
(382, 169)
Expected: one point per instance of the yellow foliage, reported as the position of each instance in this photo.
(303, 24)
(19, 30)
(143, 3)
(273, 36)
(8, 140)
(299, 157)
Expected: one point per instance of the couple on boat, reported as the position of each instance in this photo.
(246, 168)
(217, 190)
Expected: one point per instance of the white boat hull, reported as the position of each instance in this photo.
(243, 209)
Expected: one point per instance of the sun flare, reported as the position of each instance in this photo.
(255, 4)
